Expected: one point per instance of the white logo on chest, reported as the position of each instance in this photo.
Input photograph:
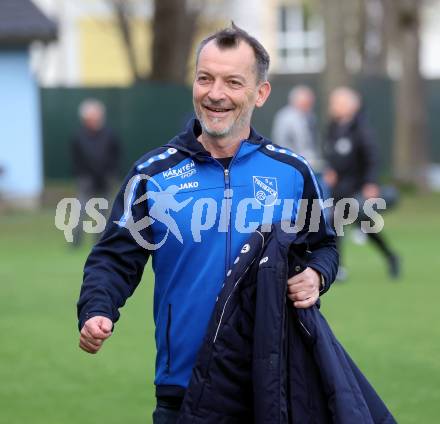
(265, 190)
(189, 185)
(343, 146)
(184, 171)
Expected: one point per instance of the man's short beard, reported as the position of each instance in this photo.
(215, 133)
(241, 122)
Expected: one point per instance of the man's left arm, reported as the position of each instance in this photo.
(319, 238)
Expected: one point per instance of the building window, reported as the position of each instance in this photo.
(300, 41)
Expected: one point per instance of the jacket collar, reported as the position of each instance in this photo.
(187, 141)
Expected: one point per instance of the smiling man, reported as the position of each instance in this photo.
(209, 188)
(229, 83)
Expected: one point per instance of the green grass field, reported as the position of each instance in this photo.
(391, 329)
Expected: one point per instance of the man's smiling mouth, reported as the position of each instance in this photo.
(216, 109)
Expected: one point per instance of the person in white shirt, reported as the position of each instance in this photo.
(294, 127)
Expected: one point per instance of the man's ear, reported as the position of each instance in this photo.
(263, 93)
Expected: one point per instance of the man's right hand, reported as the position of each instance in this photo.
(94, 332)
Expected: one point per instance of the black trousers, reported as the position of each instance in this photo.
(167, 410)
(378, 239)
(86, 189)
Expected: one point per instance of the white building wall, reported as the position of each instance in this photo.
(57, 63)
(20, 139)
(430, 40)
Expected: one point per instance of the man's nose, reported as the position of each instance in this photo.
(216, 92)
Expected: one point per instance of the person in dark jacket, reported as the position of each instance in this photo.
(351, 154)
(96, 154)
(191, 203)
(264, 361)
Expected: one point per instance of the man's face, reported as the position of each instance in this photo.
(341, 106)
(93, 119)
(225, 89)
(304, 101)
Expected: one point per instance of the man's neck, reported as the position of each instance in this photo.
(223, 147)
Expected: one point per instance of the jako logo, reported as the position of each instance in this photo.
(184, 171)
(192, 184)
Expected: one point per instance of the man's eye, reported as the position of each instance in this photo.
(202, 79)
(235, 84)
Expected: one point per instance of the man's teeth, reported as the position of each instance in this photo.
(217, 110)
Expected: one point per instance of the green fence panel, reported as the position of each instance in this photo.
(144, 116)
(148, 115)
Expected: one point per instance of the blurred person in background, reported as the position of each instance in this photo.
(295, 128)
(351, 154)
(96, 155)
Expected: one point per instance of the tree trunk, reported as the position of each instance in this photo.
(122, 13)
(174, 29)
(375, 40)
(335, 73)
(409, 150)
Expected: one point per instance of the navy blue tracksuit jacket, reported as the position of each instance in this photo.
(265, 362)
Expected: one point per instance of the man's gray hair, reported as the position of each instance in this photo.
(350, 94)
(297, 89)
(88, 105)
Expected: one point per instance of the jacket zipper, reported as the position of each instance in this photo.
(227, 173)
(228, 215)
(227, 182)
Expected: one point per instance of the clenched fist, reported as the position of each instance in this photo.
(94, 332)
(303, 288)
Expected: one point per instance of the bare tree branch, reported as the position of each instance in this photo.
(123, 14)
